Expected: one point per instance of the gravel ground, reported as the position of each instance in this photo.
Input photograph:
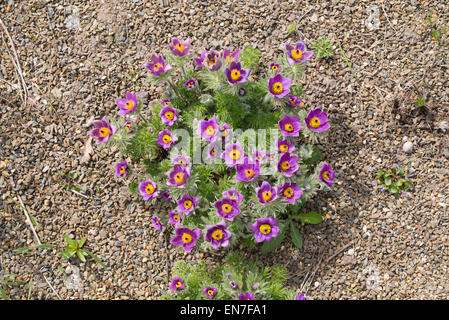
(78, 56)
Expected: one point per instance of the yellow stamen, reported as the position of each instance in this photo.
(176, 217)
(188, 204)
(285, 165)
(283, 147)
(169, 115)
(104, 132)
(235, 74)
(210, 292)
(122, 169)
(210, 131)
(157, 66)
(129, 104)
(325, 175)
(277, 87)
(149, 189)
(187, 238)
(249, 173)
(217, 234)
(178, 284)
(226, 208)
(288, 127)
(179, 177)
(235, 154)
(296, 54)
(288, 192)
(265, 228)
(314, 122)
(266, 195)
(166, 138)
(179, 47)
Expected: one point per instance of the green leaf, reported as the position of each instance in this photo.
(315, 157)
(296, 236)
(250, 57)
(291, 27)
(311, 217)
(28, 249)
(4, 296)
(275, 242)
(80, 255)
(388, 180)
(70, 241)
(96, 259)
(81, 243)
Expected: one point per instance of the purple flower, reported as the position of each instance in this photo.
(128, 126)
(187, 204)
(179, 48)
(121, 169)
(168, 115)
(227, 208)
(148, 189)
(298, 53)
(175, 217)
(272, 156)
(224, 130)
(289, 126)
(166, 139)
(293, 101)
(157, 65)
(300, 296)
(183, 161)
(230, 57)
(210, 292)
(285, 146)
(235, 74)
(166, 195)
(165, 102)
(186, 238)
(103, 130)
(266, 193)
(233, 285)
(275, 67)
(327, 174)
(177, 284)
(217, 235)
(213, 60)
(127, 105)
(190, 83)
(278, 86)
(258, 156)
(213, 151)
(265, 229)
(233, 154)
(233, 194)
(208, 129)
(247, 171)
(247, 296)
(316, 120)
(199, 61)
(157, 223)
(178, 176)
(290, 192)
(288, 164)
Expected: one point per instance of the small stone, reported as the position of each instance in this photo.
(408, 147)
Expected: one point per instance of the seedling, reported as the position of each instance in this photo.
(75, 247)
(394, 180)
(323, 49)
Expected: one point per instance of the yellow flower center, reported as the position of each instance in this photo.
(129, 104)
(157, 66)
(274, 67)
(296, 54)
(128, 126)
(210, 131)
(166, 138)
(277, 87)
(149, 188)
(187, 238)
(226, 208)
(217, 235)
(232, 196)
(181, 162)
(176, 217)
(213, 151)
(235, 74)
(288, 127)
(179, 177)
(169, 115)
(249, 173)
(104, 132)
(285, 165)
(122, 169)
(178, 284)
(283, 147)
(229, 59)
(258, 158)
(179, 47)
(288, 192)
(224, 133)
(212, 61)
(292, 101)
(266, 195)
(265, 228)
(210, 292)
(235, 154)
(188, 204)
(325, 175)
(315, 122)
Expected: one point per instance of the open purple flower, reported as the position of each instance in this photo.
(165, 102)
(103, 130)
(230, 57)
(227, 208)
(213, 151)
(208, 129)
(190, 83)
(127, 105)
(285, 146)
(290, 192)
(288, 164)
(217, 235)
(166, 195)
(247, 171)
(166, 139)
(210, 292)
(179, 48)
(235, 74)
(300, 296)
(157, 65)
(187, 204)
(174, 217)
(168, 115)
(233, 154)
(266, 193)
(289, 126)
(293, 101)
(234, 195)
(225, 130)
(128, 126)
(148, 189)
(157, 223)
(265, 229)
(275, 67)
(213, 60)
(298, 53)
(178, 176)
(177, 284)
(316, 120)
(183, 161)
(326, 174)
(272, 156)
(186, 238)
(258, 156)
(279, 86)
(246, 296)
(199, 61)
(121, 169)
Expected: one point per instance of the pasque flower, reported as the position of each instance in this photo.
(316, 120)
(178, 176)
(266, 193)
(233, 154)
(157, 223)
(326, 174)
(279, 86)
(227, 208)
(183, 161)
(166, 195)
(298, 53)
(186, 238)
(265, 229)
(187, 204)
(128, 126)
(177, 284)
(127, 105)
(210, 292)
(217, 235)
(285, 146)
(275, 67)
(166, 139)
(288, 164)
(179, 48)
(103, 130)
(175, 217)
(157, 65)
(213, 151)
(290, 192)
(148, 189)
(246, 296)
(165, 102)
(168, 115)
(208, 129)
(225, 130)
(300, 296)
(234, 195)
(235, 74)
(258, 156)
(121, 169)
(247, 171)
(230, 57)
(290, 126)
(293, 101)
(210, 59)
(190, 83)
